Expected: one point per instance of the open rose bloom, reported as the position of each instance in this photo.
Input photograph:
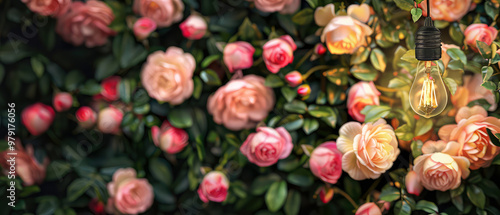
(214, 187)
(53, 8)
(238, 55)
(163, 12)
(471, 91)
(450, 10)
(326, 162)
(278, 53)
(27, 166)
(345, 34)
(267, 146)
(282, 6)
(360, 95)
(129, 194)
(170, 139)
(479, 32)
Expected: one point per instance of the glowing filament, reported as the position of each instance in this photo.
(428, 99)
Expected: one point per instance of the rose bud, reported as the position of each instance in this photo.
(213, 187)
(37, 118)
(143, 28)
(238, 55)
(413, 184)
(129, 194)
(62, 101)
(109, 120)
(293, 78)
(86, 117)
(267, 146)
(320, 49)
(326, 194)
(96, 206)
(278, 53)
(326, 162)
(110, 88)
(194, 27)
(304, 90)
(369, 208)
(170, 139)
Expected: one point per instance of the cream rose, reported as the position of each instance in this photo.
(241, 103)
(368, 150)
(167, 76)
(344, 35)
(439, 168)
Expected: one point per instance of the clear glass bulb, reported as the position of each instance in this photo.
(428, 96)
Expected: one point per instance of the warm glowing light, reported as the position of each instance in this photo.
(428, 96)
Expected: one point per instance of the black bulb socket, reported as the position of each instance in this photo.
(428, 42)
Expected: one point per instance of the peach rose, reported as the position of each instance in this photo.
(194, 27)
(86, 117)
(412, 183)
(86, 23)
(37, 118)
(479, 32)
(326, 162)
(471, 91)
(440, 167)
(213, 187)
(282, 6)
(170, 139)
(360, 95)
(238, 55)
(369, 149)
(359, 12)
(267, 146)
(344, 35)
(109, 120)
(444, 56)
(62, 101)
(470, 132)
(163, 12)
(278, 53)
(129, 194)
(369, 208)
(168, 76)
(143, 28)
(450, 10)
(53, 8)
(26, 165)
(241, 103)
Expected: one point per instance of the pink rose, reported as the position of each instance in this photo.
(163, 12)
(129, 194)
(450, 10)
(62, 101)
(37, 118)
(143, 28)
(278, 53)
(326, 162)
(282, 6)
(53, 8)
(97, 207)
(86, 23)
(344, 35)
(267, 146)
(238, 55)
(109, 88)
(471, 134)
(440, 167)
(194, 27)
(86, 117)
(27, 166)
(293, 78)
(369, 208)
(479, 32)
(304, 90)
(412, 183)
(471, 91)
(109, 120)
(213, 187)
(168, 76)
(170, 139)
(319, 49)
(444, 55)
(241, 103)
(360, 95)
(369, 149)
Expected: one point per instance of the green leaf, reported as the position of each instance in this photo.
(160, 170)
(37, 66)
(457, 191)
(398, 82)
(427, 206)
(180, 118)
(292, 205)
(423, 126)
(77, 188)
(377, 57)
(301, 177)
(361, 55)
(389, 193)
(288, 93)
(125, 88)
(487, 71)
(210, 77)
(402, 207)
(303, 17)
(409, 56)
(274, 81)
(73, 80)
(456, 33)
(495, 138)
(106, 67)
(484, 49)
(276, 196)
(296, 106)
(246, 31)
(404, 132)
(364, 72)
(198, 87)
(490, 85)
(352, 187)
(416, 13)
(458, 201)
(374, 112)
(208, 60)
(451, 84)
(476, 195)
(292, 122)
(127, 51)
(91, 87)
(310, 125)
(262, 183)
(457, 54)
(47, 206)
(2, 73)
(405, 4)
(491, 9)
(312, 3)
(320, 111)
(416, 148)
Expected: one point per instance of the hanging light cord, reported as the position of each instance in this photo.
(428, 9)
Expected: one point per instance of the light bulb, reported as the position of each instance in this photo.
(428, 96)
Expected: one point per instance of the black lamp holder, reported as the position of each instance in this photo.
(428, 40)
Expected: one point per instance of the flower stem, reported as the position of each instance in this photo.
(386, 89)
(303, 59)
(341, 192)
(314, 69)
